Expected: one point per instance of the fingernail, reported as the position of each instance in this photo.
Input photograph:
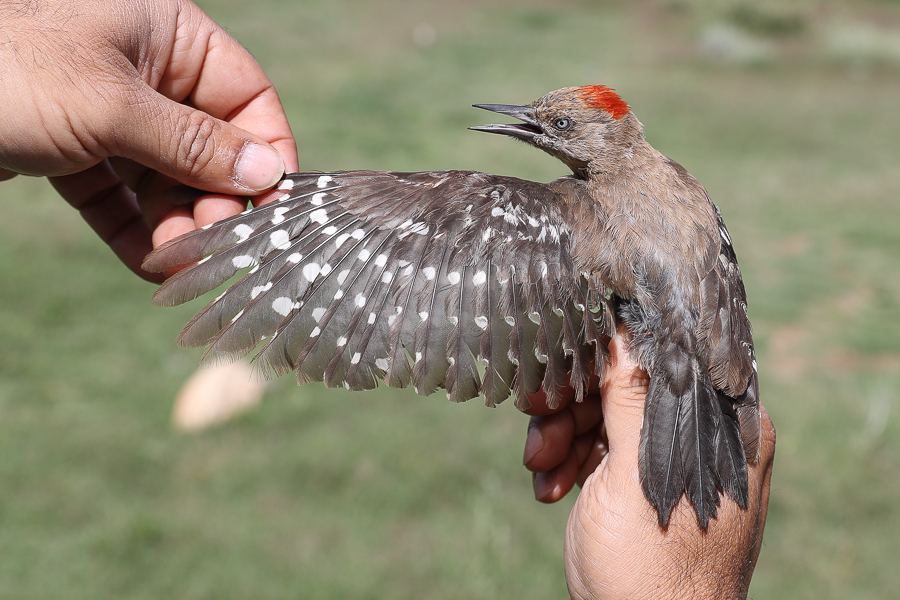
(258, 167)
(534, 441)
(544, 488)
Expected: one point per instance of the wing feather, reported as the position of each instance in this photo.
(409, 277)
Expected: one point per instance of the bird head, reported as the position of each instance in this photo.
(589, 128)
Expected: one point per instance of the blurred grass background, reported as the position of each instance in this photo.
(786, 111)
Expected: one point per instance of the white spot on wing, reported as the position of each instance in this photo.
(295, 257)
(360, 300)
(287, 184)
(479, 278)
(429, 273)
(316, 200)
(315, 332)
(318, 313)
(243, 231)
(382, 363)
(342, 276)
(256, 291)
(423, 315)
(311, 271)
(364, 254)
(279, 214)
(356, 358)
(330, 230)
(320, 215)
(283, 305)
(342, 341)
(453, 277)
(380, 260)
(280, 239)
(481, 322)
(323, 181)
(242, 261)
(340, 240)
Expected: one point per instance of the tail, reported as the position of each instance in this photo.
(690, 438)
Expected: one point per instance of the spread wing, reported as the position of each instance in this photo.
(361, 276)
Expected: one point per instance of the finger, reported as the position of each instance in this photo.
(6, 174)
(624, 390)
(215, 207)
(176, 222)
(587, 414)
(539, 404)
(172, 208)
(598, 451)
(193, 147)
(550, 436)
(549, 441)
(221, 78)
(553, 485)
(112, 211)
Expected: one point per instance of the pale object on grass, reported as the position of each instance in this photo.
(214, 395)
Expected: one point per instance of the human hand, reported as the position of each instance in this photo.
(113, 97)
(615, 547)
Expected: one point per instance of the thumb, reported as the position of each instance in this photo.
(623, 391)
(195, 148)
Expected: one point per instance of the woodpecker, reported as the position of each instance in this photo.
(491, 285)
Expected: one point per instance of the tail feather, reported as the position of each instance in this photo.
(698, 429)
(690, 439)
(661, 467)
(731, 462)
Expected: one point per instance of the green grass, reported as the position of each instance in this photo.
(321, 494)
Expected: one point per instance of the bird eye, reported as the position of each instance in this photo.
(562, 123)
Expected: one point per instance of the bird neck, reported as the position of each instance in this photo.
(622, 149)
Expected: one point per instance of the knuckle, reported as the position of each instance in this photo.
(195, 142)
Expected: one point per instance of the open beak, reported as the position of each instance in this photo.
(524, 131)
